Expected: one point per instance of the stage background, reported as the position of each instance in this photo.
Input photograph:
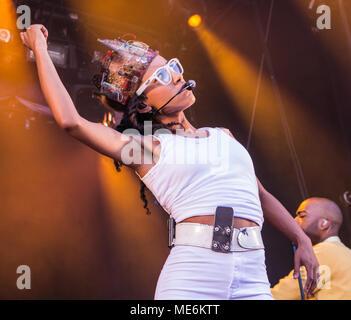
(80, 225)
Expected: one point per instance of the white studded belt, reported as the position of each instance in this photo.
(200, 235)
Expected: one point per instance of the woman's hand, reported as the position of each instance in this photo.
(304, 256)
(276, 214)
(35, 37)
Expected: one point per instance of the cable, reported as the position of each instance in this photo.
(284, 120)
(258, 87)
(286, 128)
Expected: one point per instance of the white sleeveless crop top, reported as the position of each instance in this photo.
(195, 175)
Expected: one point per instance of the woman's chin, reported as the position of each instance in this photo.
(183, 104)
(189, 103)
(192, 100)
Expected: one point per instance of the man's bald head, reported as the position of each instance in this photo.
(320, 218)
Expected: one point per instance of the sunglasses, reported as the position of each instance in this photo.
(162, 74)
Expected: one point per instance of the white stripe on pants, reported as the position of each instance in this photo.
(198, 273)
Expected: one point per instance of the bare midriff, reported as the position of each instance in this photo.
(237, 222)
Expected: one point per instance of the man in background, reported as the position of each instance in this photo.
(321, 219)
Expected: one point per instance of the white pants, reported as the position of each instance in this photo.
(192, 273)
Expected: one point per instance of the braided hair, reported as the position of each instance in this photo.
(133, 119)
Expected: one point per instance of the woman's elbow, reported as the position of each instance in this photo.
(69, 126)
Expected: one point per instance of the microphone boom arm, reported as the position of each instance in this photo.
(189, 85)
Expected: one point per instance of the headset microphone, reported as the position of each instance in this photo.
(189, 85)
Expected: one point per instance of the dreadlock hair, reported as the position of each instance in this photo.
(133, 119)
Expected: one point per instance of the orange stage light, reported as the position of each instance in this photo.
(194, 21)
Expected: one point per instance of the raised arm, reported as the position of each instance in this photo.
(103, 139)
(53, 89)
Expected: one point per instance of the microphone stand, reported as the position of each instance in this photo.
(300, 280)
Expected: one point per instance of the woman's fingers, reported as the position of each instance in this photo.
(312, 279)
(34, 35)
(45, 31)
(315, 279)
(40, 27)
(22, 36)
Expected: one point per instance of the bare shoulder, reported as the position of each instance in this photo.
(150, 143)
(227, 131)
(151, 154)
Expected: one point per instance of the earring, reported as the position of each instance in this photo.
(142, 105)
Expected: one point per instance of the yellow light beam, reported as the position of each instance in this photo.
(237, 74)
(239, 77)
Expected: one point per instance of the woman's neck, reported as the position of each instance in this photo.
(180, 118)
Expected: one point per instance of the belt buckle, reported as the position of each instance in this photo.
(250, 239)
(222, 229)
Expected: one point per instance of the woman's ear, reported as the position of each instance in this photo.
(143, 108)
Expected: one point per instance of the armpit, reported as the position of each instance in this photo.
(227, 131)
